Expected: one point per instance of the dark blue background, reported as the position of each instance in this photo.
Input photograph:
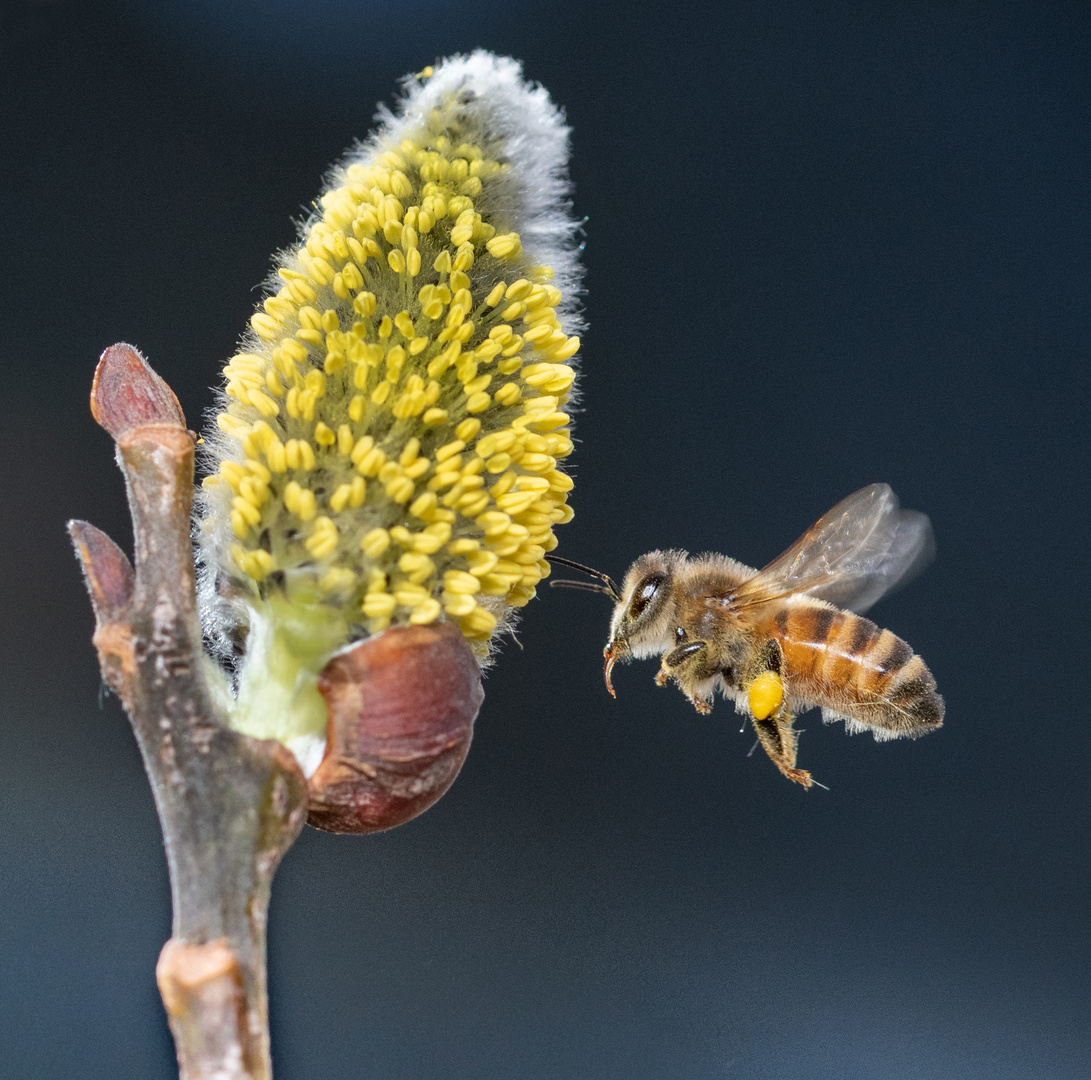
(827, 244)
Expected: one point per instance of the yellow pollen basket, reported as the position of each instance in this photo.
(765, 694)
(391, 435)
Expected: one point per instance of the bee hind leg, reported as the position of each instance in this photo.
(778, 739)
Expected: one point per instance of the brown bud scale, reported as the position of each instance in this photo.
(401, 711)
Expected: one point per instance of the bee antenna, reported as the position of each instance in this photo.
(607, 586)
(587, 586)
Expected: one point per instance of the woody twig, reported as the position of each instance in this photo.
(230, 806)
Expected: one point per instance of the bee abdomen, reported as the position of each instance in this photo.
(860, 672)
(912, 696)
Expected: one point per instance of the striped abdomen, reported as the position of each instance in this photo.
(851, 667)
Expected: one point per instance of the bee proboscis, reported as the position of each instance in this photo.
(789, 637)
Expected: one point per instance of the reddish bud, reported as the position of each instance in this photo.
(128, 394)
(401, 711)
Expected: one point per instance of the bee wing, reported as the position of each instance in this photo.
(857, 552)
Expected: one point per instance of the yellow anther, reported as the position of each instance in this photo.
(481, 563)
(400, 489)
(458, 605)
(458, 581)
(396, 261)
(479, 623)
(504, 246)
(318, 270)
(300, 501)
(433, 538)
(299, 455)
(426, 612)
(260, 471)
(375, 542)
(250, 513)
(536, 334)
(266, 327)
(559, 481)
(323, 435)
(417, 567)
(423, 505)
(362, 447)
(378, 605)
(323, 540)
(515, 502)
(565, 351)
(386, 326)
(351, 277)
(435, 417)
(468, 429)
(449, 450)
(275, 455)
(409, 594)
(257, 564)
(494, 523)
(390, 209)
(371, 462)
(487, 350)
(765, 694)
(340, 498)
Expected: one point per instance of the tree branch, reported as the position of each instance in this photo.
(230, 806)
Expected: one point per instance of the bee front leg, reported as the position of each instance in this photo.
(668, 666)
(672, 667)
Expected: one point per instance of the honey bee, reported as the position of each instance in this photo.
(779, 641)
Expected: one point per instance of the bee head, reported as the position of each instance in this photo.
(643, 618)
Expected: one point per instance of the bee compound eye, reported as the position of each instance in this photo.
(644, 594)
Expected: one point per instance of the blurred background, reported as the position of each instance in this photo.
(826, 244)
